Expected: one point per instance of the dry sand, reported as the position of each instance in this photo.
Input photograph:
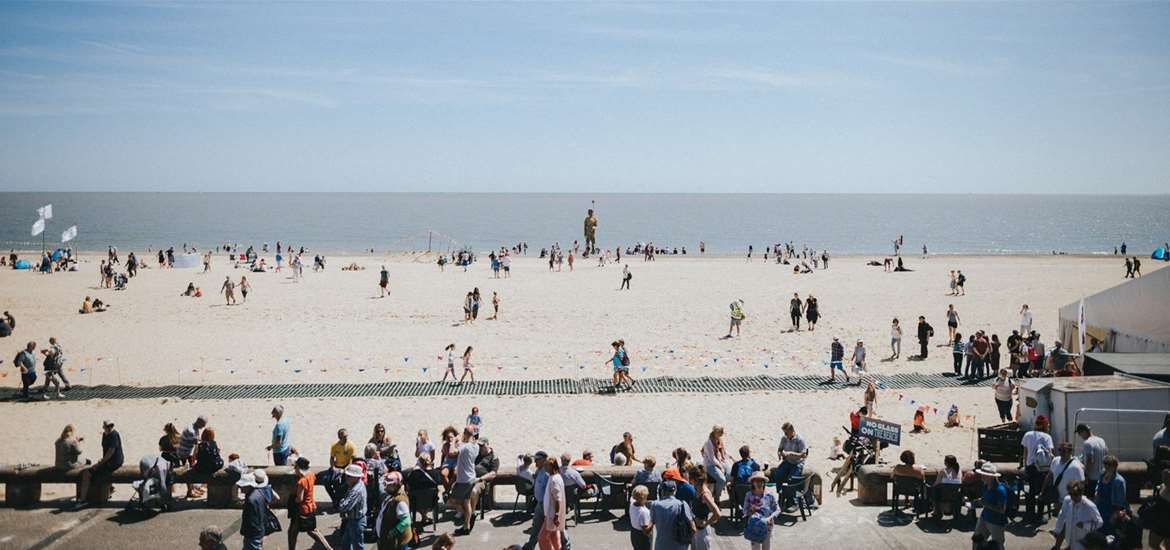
(331, 327)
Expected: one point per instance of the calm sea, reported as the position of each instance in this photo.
(843, 224)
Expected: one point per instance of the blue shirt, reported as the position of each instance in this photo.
(996, 495)
(663, 513)
(685, 492)
(280, 431)
(539, 485)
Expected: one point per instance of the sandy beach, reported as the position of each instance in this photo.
(332, 327)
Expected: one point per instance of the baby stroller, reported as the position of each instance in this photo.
(154, 489)
(860, 452)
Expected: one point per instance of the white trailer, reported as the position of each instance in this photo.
(1122, 409)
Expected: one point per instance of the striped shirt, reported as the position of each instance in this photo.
(188, 442)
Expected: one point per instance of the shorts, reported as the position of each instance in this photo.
(462, 491)
(837, 365)
(953, 324)
(383, 284)
(304, 522)
(735, 322)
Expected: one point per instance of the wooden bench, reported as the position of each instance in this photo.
(874, 480)
(23, 485)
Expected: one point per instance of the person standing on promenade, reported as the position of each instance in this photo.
(279, 445)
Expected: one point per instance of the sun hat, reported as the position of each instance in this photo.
(758, 476)
(353, 470)
(394, 477)
(483, 442)
(246, 480)
(988, 469)
(261, 478)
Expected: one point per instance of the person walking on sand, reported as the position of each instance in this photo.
(590, 233)
(858, 358)
(467, 366)
(245, 287)
(952, 321)
(1025, 320)
(811, 312)
(229, 290)
(895, 339)
(795, 311)
(737, 317)
(836, 361)
(450, 351)
(383, 282)
(961, 282)
(27, 363)
(54, 368)
(495, 306)
(954, 285)
(626, 276)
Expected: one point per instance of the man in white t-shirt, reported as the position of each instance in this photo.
(1066, 468)
(1093, 452)
(1025, 320)
(1037, 441)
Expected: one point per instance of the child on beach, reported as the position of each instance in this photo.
(871, 399)
(837, 452)
(467, 366)
(495, 306)
(919, 423)
(474, 421)
(952, 417)
(450, 349)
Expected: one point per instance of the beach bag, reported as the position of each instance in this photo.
(683, 534)
(756, 529)
(271, 523)
(1051, 494)
(742, 470)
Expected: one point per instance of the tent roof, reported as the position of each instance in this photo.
(1140, 364)
(1139, 306)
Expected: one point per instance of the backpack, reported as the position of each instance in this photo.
(683, 534)
(1043, 460)
(742, 470)
(625, 358)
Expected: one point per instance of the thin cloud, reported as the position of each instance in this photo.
(939, 65)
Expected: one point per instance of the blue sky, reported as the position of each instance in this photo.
(560, 97)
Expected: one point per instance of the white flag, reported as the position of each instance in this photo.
(46, 212)
(38, 227)
(69, 234)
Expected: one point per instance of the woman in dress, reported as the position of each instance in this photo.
(811, 312)
(554, 507)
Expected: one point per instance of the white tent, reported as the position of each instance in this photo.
(1133, 317)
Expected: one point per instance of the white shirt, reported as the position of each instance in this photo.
(639, 516)
(1073, 513)
(1095, 447)
(708, 454)
(1026, 319)
(1076, 472)
(1003, 389)
(554, 497)
(1032, 441)
(950, 478)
